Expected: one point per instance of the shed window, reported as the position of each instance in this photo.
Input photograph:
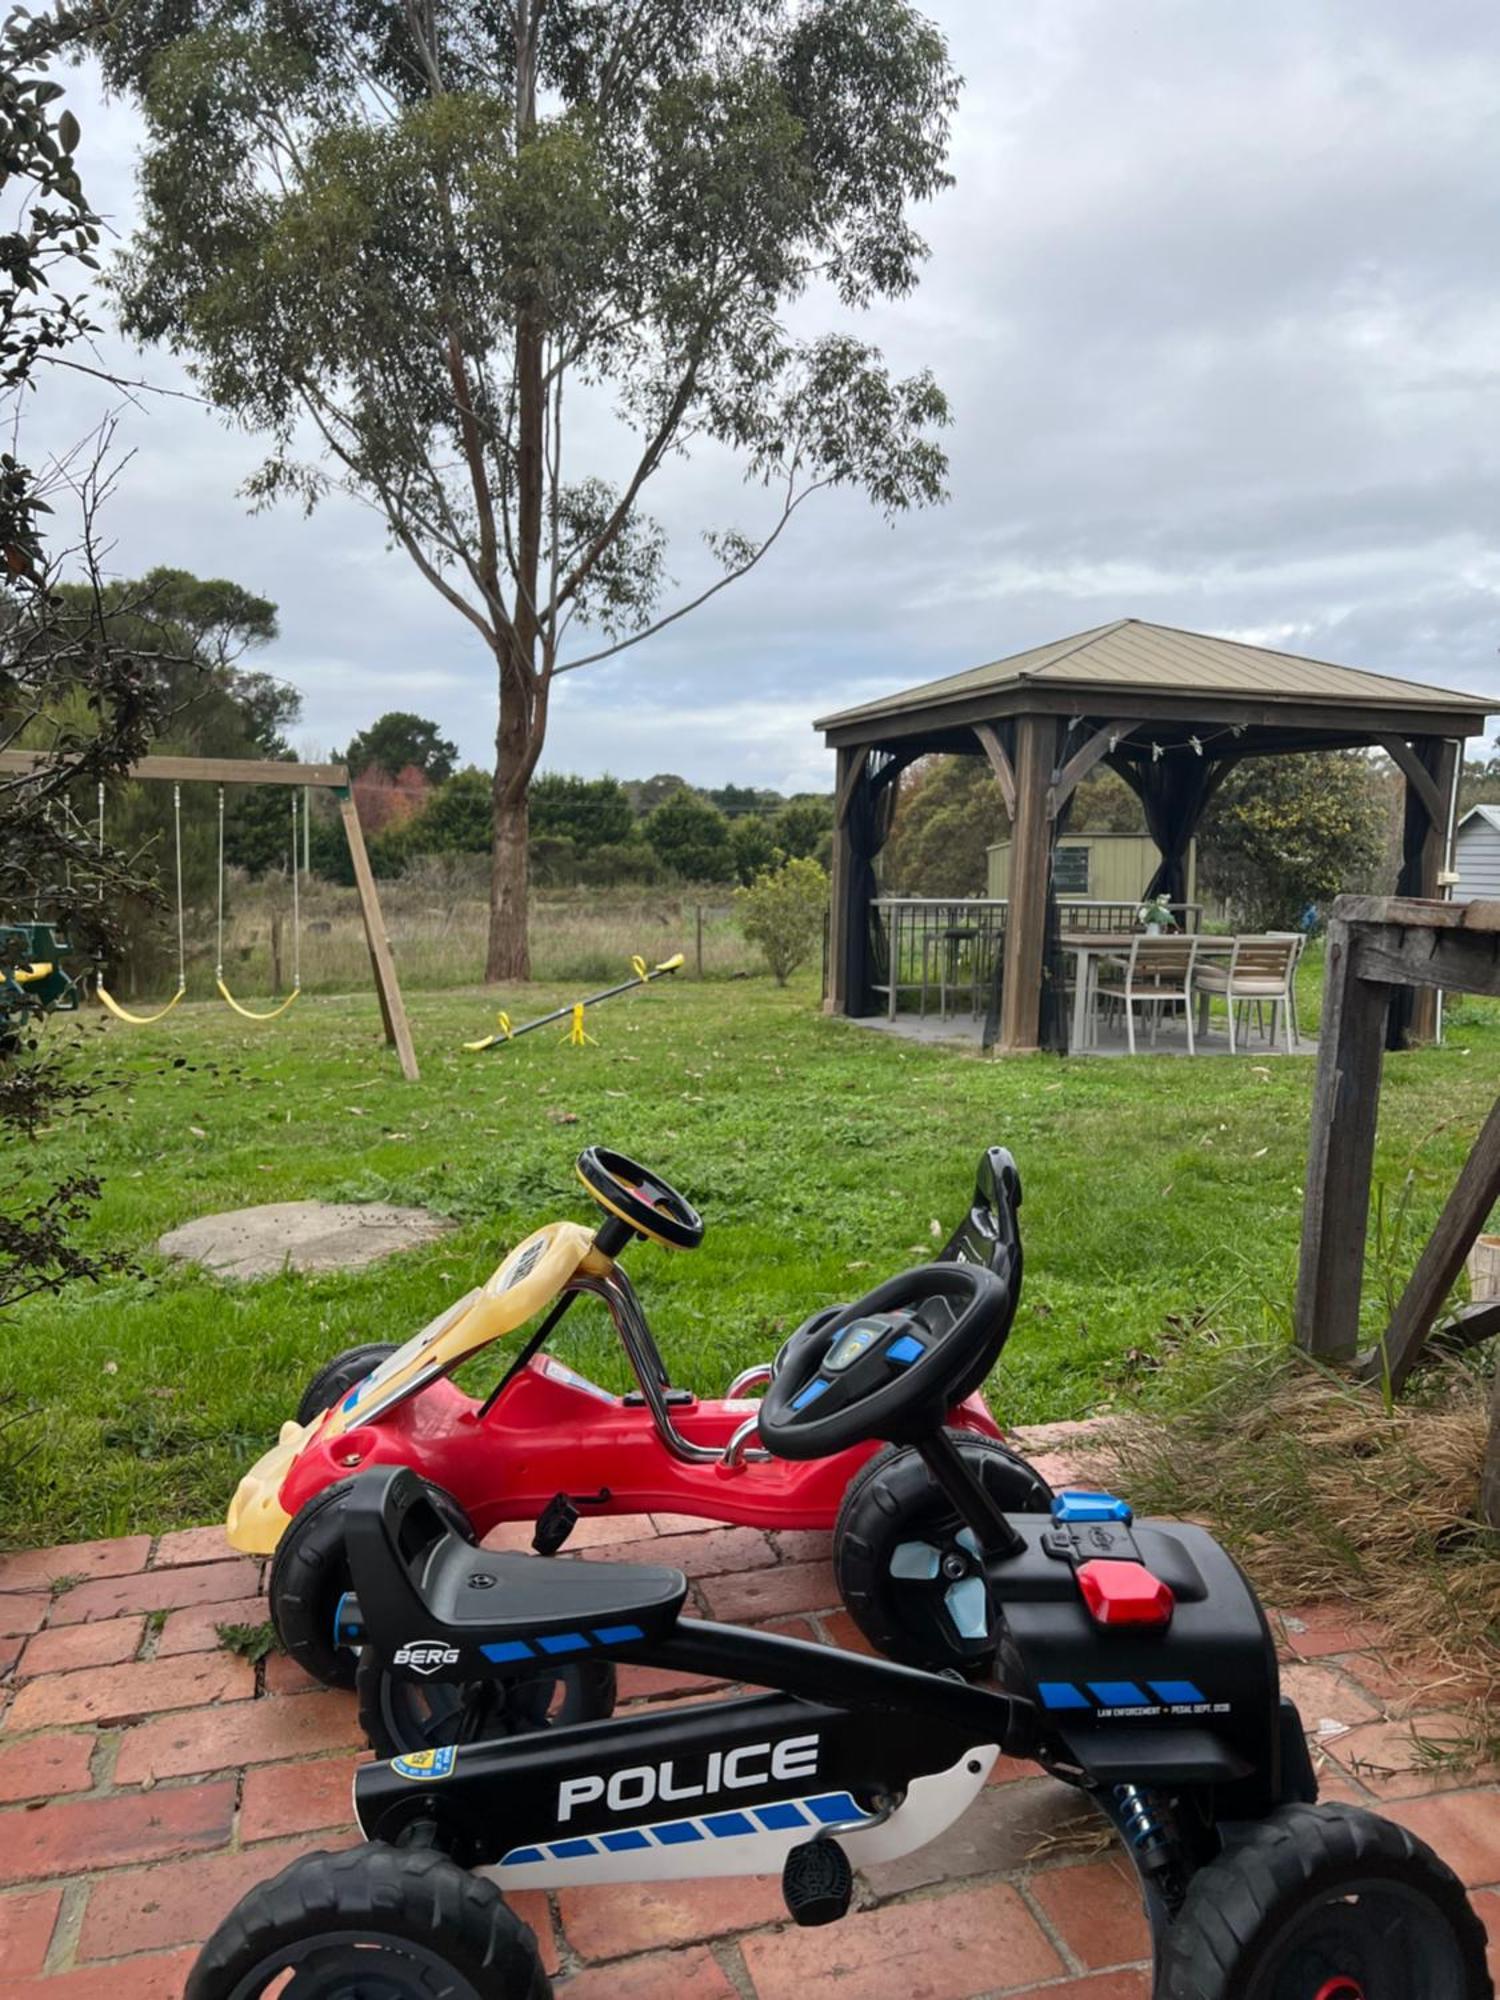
(1070, 871)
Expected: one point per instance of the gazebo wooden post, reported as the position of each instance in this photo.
(1030, 870)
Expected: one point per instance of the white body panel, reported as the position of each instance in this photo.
(713, 1844)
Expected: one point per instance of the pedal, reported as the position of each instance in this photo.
(556, 1522)
(817, 1883)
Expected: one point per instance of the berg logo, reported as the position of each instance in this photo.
(425, 1656)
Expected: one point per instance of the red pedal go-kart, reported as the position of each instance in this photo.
(546, 1445)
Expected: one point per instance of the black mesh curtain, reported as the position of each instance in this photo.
(871, 813)
(1173, 790)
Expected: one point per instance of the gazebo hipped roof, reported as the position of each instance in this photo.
(1130, 666)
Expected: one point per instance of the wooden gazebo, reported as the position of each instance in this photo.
(1173, 712)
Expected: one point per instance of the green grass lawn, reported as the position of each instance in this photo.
(1162, 1203)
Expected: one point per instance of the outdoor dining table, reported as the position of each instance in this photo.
(1089, 949)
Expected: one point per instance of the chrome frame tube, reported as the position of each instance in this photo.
(738, 1451)
(749, 1378)
(645, 1359)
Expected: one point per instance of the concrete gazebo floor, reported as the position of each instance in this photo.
(148, 1778)
(967, 1030)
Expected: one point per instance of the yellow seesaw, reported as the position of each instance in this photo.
(573, 1012)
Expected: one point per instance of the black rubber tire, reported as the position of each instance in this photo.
(575, 1691)
(1237, 1919)
(373, 1894)
(337, 1377)
(309, 1574)
(882, 1504)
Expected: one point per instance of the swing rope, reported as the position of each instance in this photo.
(106, 997)
(249, 1013)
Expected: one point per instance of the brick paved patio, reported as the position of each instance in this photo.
(147, 1778)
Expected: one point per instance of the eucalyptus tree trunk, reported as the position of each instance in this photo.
(508, 951)
(522, 724)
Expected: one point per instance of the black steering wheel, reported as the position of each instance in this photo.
(887, 1366)
(642, 1200)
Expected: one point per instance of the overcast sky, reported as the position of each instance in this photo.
(1215, 301)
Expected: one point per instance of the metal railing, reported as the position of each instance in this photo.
(942, 949)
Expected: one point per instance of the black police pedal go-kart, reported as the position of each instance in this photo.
(1137, 1666)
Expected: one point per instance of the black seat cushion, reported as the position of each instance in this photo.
(518, 1606)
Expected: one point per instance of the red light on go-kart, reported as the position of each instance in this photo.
(1124, 1593)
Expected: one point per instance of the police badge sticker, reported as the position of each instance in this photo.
(423, 1766)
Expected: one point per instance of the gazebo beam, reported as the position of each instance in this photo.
(1078, 766)
(1000, 764)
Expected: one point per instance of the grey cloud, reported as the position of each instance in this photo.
(1214, 305)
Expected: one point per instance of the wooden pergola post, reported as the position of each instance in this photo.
(382, 965)
(1030, 872)
(1341, 1152)
(1379, 946)
(1430, 765)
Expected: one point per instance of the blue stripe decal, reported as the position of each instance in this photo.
(905, 1350)
(504, 1650)
(1119, 1694)
(616, 1635)
(563, 1642)
(1061, 1694)
(776, 1819)
(811, 1393)
(1175, 1691)
(784, 1815)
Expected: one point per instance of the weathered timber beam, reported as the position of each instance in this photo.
(206, 770)
(1083, 760)
(1000, 764)
(1457, 961)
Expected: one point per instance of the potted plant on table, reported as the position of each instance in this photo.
(1155, 916)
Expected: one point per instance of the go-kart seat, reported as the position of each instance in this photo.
(417, 1578)
(987, 1233)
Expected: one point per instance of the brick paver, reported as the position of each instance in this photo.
(148, 1776)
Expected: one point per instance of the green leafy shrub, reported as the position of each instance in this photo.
(782, 911)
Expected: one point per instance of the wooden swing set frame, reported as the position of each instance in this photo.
(313, 777)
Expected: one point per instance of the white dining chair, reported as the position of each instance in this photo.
(1158, 974)
(1260, 969)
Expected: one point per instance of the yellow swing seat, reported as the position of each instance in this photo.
(124, 1014)
(249, 1013)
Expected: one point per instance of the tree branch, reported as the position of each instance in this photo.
(730, 576)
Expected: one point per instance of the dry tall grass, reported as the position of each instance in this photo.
(437, 921)
(1322, 1492)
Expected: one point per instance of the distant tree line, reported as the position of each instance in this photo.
(416, 801)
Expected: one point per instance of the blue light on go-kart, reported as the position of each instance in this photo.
(1069, 1509)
